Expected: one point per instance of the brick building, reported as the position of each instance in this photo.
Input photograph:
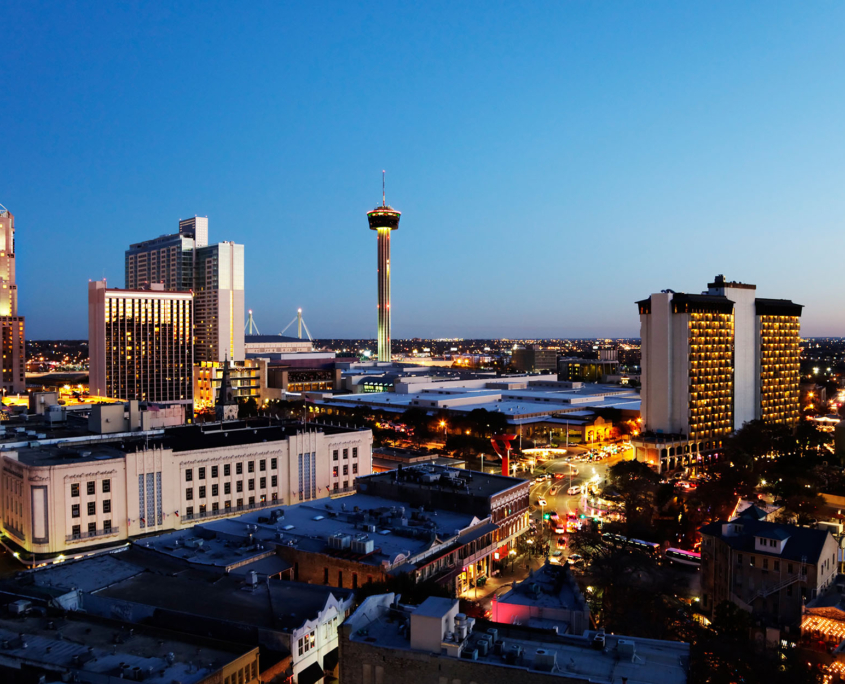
(767, 568)
(385, 642)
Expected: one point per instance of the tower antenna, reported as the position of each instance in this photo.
(383, 200)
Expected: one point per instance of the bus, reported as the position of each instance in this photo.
(683, 557)
(651, 547)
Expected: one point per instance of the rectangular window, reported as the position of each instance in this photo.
(107, 506)
(76, 531)
(202, 492)
(334, 455)
(239, 468)
(274, 480)
(227, 487)
(239, 486)
(106, 486)
(189, 494)
(189, 475)
(354, 452)
(240, 503)
(92, 528)
(228, 504)
(214, 471)
(214, 490)
(765, 564)
(777, 565)
(92, 508)
(250, 466)
(354, 468)
(227, 470)
(274, 463)
(189, 511)
(74, 511)
(251, 484)
(252, 501)
(107, 525)
(215, 506)
(335, 486)
(201, 473)
(74, 489)
(346, 470)
(262, 464)
(262, 483)
(751, 562)
(91, 487)
(334, 471)
(345, 454)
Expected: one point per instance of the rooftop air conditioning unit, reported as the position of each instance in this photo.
(362, 545)
(626, 648)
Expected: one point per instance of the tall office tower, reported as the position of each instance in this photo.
(140, 343)
(13, 368)
(219, 301)
(711, 363)
(383, 219)
(168, 259)
(215, 273)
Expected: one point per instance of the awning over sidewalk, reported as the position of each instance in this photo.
(311, 674)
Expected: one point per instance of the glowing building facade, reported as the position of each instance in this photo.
(13, 368)
(140, 344)
(384, 220)
(711, 363)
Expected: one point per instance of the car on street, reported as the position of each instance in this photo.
(541, 501)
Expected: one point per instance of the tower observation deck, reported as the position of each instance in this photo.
(383, 219)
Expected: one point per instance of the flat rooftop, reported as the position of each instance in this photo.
(277, 604)
(641, 661)
(308, 526)
(556, 588)
(180, 439)
(94, 650)
(433, 476)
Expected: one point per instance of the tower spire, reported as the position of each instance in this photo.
(383, 197)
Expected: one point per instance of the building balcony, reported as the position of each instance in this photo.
(87, 536)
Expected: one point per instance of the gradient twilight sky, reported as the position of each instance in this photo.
(553, 161)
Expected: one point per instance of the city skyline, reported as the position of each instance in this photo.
(549, 161)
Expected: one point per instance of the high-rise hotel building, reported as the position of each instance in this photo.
(140, 343)
(186, 262)
(710, 363)
(13, 367)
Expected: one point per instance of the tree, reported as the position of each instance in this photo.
(637, 483)
(247, 408)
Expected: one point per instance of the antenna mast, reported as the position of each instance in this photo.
(383, 200)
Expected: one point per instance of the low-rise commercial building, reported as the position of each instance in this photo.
(385, 641)
(549, 598)
(767, 568)
(62, 496)
(295, 624)
(78, 648)
(532, 359)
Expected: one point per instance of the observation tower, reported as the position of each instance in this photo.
(383, 219)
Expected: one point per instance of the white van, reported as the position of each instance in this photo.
(574, 490)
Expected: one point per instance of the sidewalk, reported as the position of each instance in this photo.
(503, 582)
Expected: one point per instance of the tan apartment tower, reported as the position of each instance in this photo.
(13, 368)
(184, 261)
(712, 362)
(140, 343)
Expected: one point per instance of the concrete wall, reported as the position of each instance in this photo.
(746, 354)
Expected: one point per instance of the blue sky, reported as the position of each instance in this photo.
(553, 161)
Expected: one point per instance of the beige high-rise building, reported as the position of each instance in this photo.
(140, 343)
(712, 362)
(13, 367)
(185, 262)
